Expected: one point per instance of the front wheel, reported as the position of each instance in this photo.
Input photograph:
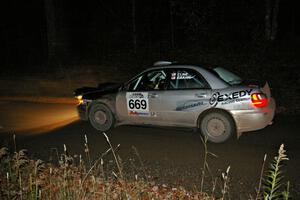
(101, 117)
(217, 126)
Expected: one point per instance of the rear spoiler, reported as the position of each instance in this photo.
(266, 89)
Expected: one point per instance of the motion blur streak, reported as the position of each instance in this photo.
(25, 117)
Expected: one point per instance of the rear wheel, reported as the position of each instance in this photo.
(101, 117)
(217, 126)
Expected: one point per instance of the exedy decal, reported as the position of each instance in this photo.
(228, 98)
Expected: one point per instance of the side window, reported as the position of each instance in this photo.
(132, 86)
(153, 80)
(186, 79)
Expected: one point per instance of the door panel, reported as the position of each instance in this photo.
(139, 107)
(171, 97)
(139, 102)
(182, 107)
(187, 96)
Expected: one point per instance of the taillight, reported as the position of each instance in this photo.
(259, 100)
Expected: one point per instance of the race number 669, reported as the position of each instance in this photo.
(137, 104)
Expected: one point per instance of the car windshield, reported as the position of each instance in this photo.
(228, 76)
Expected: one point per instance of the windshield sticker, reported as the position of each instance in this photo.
(190, 105)
(229, 98)
(184, 75)
(137, 103)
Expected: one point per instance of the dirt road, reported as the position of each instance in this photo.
(171, 156)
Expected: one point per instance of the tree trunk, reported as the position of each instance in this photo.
(271, 22)
(51, 31)
(134, 34)
(268, 19)
(171, 3)
(274, 20)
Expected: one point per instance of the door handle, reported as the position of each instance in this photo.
(200, 95)
(153, 95)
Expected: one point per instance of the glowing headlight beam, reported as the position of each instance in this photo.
(79, 98)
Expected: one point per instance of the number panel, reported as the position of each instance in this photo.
(137, 103)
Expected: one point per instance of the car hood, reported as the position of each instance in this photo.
(95, 92)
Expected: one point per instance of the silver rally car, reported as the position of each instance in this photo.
(215, 101)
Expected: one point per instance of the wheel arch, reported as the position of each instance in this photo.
(200, 117)
(106, 102)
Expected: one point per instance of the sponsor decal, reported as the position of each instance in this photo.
(137, 103)
(214, 99)
(153, 114)
(189, 105)
(173, 76)
(230, 97)
(136, 95)
(135, 113)
(184, 75)
(234, 101)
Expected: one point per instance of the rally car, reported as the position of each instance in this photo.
(214, 101)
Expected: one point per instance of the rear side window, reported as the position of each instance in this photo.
(228, 76)
(186, 79)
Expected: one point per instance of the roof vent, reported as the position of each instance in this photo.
(162, 63)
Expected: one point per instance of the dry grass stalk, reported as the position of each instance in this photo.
(273, 182)
(24, 178)
(261, 178)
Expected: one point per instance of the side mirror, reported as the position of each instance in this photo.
(122, 88)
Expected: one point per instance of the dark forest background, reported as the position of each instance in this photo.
(258, 38)
(98, 31)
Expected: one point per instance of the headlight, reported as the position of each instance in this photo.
(79, 98)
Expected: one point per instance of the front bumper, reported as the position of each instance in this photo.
(251, 120)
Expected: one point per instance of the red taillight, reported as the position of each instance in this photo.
(259, 100)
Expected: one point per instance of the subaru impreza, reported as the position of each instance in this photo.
(214, 101)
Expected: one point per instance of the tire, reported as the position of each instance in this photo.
(217, 126)
(101, 117)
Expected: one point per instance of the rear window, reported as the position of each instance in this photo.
(228, 76)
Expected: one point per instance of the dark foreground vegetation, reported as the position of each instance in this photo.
(79, 177)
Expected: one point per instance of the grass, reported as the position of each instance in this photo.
(273, 183)
(75, 177)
